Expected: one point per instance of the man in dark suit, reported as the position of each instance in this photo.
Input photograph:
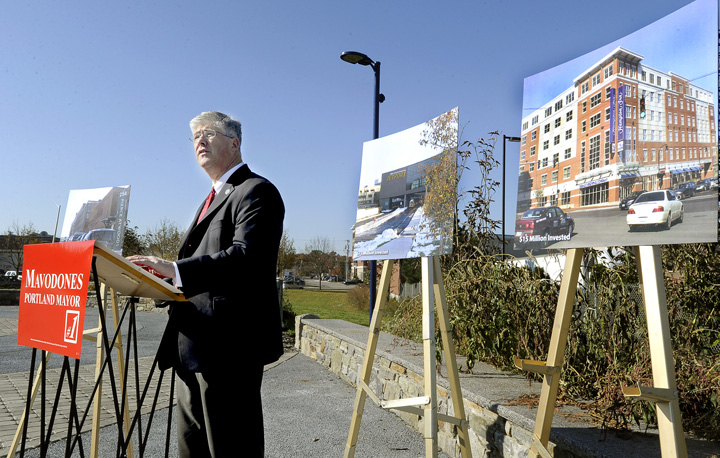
(219, 341)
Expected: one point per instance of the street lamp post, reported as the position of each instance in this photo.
(354, 57)
(510, 139)
(56, 223)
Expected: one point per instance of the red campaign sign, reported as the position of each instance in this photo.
(53, 294)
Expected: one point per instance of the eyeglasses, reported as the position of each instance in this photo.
(207, 133)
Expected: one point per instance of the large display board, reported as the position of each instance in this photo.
(619, 146)
(406, 198)
(97, 214)
(54, 291)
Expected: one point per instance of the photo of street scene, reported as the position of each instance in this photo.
(97, 214)
(406, 198)
(619, 146)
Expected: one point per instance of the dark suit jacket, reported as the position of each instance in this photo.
(227, 266)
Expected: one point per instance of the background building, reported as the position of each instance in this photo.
(405, 187)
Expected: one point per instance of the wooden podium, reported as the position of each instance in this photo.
(433, 298)
(113, 275)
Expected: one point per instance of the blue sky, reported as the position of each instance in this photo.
(97, 94)
(676, 43)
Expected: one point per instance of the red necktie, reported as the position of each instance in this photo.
(208, 201)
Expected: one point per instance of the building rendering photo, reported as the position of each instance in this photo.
(623, 126)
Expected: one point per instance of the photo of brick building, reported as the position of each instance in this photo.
(622, 126)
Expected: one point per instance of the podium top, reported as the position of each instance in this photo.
(130, 280)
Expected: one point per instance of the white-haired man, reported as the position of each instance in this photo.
(219, 341)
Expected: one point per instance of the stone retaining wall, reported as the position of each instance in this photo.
(501, 420)
(394, 377)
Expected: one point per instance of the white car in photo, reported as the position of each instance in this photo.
(655, 208)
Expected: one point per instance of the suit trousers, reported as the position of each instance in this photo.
(220, 414)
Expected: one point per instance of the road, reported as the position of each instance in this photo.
(699, 224)
(383, 222)
(307, 408)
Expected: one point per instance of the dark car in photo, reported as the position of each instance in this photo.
(678, 192)
(540, 223)
(626, 202)
(686, 189)
(702, 185)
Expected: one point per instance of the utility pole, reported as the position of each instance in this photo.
(347, 258)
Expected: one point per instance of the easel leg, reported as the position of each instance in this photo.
(370, 348)
(430, 382)
(450, 359)
(121, 368)
(672, 438)
(556, 353)
(433, 295)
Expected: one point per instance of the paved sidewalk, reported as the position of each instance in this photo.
(8, 327)
(307, 413)
(13, 394)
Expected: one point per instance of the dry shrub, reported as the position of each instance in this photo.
(360, 296)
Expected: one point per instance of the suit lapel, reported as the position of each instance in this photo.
(186, 236)
(235, 179)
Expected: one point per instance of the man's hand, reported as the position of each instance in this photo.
(156, 266)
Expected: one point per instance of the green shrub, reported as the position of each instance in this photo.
(288, 314)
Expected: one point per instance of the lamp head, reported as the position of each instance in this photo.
(354, 57)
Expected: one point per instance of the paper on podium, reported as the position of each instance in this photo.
(130, 280)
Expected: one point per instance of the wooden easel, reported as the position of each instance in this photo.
(664, 393)
(433, 297)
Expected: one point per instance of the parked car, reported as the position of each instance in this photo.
(77, 236)
(353, 281)
(678, 192)
(713, 183)
(687, 189)
(543, 222)
(291, 282)
(702, 185)
(655, 208)
(626, 202)
(104, 236)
